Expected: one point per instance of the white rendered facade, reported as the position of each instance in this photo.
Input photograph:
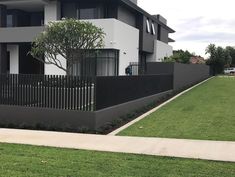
(125, 34)
(118, 35)
(14, 58)
(161, 50)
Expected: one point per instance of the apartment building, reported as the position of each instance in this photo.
(132, 35)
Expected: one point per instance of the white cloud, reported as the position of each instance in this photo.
(197, 23)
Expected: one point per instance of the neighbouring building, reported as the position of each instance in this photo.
(132, 34)
(197, 60)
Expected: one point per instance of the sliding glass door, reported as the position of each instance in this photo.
(97, 63)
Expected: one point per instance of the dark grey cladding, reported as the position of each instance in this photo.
(134, 1)
(3, 47)
(3, 13)
(161, 19)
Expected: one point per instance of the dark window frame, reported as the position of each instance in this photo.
(159, 32)
(89, 65)
(82, 6)
(153, 29)
(148, 28)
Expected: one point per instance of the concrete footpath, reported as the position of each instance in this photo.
(197, 149)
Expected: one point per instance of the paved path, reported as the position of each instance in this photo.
(210, 150)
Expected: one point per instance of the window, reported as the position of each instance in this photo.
(97, 63)
(153, 29)
(159, 32)
(80, 11)
(88, 13)
(148, 26)
(69, 10)
(9, 20)
(107, 63)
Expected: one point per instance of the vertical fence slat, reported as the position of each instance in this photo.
(59, 92)
(78, 93)
(90, 94)
(94, 94)
(1, 84)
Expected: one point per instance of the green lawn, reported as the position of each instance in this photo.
(31, 161)
(207, 113)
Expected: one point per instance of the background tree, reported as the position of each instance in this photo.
(179, 56)
(68, 38)
(231, 51)
(219, 58)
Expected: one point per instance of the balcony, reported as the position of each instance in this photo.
(19, 34)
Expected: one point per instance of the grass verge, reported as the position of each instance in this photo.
(206, 113)
(32, 161)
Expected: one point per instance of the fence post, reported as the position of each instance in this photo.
(95, 94)
(1, 83)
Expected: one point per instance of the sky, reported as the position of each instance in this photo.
(197, 22)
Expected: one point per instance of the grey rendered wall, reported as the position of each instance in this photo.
(20, 117)
(159, 68)
(147, 40)
(47, 118)
(164, 35)
(186, 75)
(110, 114)
(126, 16)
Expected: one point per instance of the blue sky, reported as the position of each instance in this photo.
(197, 23)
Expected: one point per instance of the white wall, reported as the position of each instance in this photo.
(52, 11)
(54, 70)
(119, 36)
(14, 58)
(161, 50)
(122, 37)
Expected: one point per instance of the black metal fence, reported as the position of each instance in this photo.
(117, 90)
(44, 91)
(78, 93)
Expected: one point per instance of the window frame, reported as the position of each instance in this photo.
(148, 29)
(153, 29)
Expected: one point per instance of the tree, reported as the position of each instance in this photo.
(231, 51)
(219, 58)
(179, 56)
(68, 38)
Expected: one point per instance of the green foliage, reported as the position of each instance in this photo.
(179, 56)
(231, 51)
(219, 57)
(68, 38)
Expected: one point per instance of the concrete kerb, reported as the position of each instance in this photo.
(115, 132)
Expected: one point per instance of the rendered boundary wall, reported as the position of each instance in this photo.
(184, 75)
(54, 119)
(69, 120)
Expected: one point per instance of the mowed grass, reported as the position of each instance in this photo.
(31, 161)
(206, 113)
